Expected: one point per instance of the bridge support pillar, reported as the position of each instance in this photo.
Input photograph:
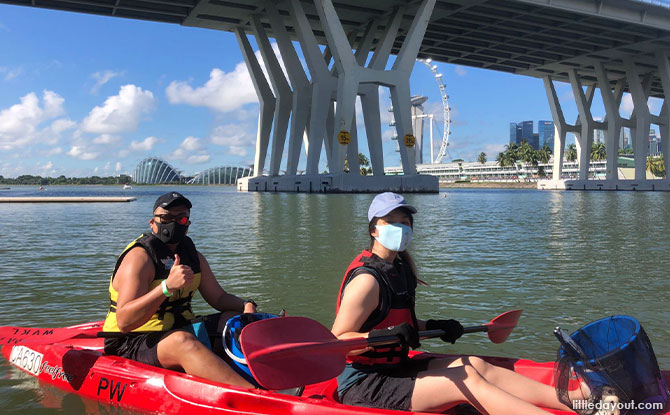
(642, 118)
(663, 57)
(585, 123)
(282, 92)
(334, 129)
(302, 90)
(265, 98)
(612, 103)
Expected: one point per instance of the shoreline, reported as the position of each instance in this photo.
(490, 185)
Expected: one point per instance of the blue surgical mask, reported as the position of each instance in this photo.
(394, 236)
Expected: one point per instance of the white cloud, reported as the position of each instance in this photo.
(191, 151)
(460, 71)
(118, 166)
(238, 139)
(20, 123)
(145, 145)
(626, 108)
(106, 139)
(223, 92)
(55, 151)
(80, 152)
(119, 113)
(101, 78)
(191, 144)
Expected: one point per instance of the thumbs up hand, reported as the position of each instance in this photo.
(180, 275)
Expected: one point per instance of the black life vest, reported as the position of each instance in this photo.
(397, 288)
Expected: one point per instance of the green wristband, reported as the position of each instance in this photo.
(165, 289)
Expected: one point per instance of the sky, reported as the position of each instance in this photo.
(90, 95)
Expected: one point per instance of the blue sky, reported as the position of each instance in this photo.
(84, 95)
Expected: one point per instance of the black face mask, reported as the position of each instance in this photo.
(171, 233)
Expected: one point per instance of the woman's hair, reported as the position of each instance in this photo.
(405, 256)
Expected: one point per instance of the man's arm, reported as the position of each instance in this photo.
(215, 295)
(136, 303)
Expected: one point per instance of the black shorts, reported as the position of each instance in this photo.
(390, 389)
(143, 347)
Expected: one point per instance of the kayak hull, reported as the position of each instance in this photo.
(78, 366)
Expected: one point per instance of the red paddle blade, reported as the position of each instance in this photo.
(286, 352)
(500, 327)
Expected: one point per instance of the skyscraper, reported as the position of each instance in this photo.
(545, 129)
(526, 131)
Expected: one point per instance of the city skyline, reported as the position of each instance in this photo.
(78, 104)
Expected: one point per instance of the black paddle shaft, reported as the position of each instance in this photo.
(426, 334)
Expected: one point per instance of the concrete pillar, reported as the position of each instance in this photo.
(640, 134)
(351, 74)
(265, 98)
(302, 90)
(585, 137)
(323, 83)
(369, 93)
(282, 91)
(612, 105)
(560, 127)
(664, 73)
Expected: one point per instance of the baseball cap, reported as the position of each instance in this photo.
(384, 203)
(171, 199)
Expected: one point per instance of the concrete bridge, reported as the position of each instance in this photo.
(613, 46)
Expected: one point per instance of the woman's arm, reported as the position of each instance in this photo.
(359, 300)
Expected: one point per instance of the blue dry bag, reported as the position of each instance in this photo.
(613, 357)
(231, 341)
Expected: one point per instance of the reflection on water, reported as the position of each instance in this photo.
(566, 258)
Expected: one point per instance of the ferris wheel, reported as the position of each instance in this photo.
(446, 110)
(446, 114)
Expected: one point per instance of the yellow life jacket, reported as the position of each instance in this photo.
(175, 311)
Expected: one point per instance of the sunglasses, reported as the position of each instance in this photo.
(181, 219)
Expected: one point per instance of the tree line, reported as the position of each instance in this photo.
(28, 179)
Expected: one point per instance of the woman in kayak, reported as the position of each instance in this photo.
(376, 299)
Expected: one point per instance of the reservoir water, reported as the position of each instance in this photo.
(565, 258)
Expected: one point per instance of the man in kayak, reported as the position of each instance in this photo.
(150, 293)
(377, 299)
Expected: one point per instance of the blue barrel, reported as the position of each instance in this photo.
(617, 354)
(231, 341)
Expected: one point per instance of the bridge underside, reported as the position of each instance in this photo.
(614, 46)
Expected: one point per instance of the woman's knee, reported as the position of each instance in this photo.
(479, 364)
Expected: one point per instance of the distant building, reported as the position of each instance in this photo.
(535, 141)
(515, 133)
(545, 130)
(153, 170)
(598, 136)
(221, 175)
(523, 131)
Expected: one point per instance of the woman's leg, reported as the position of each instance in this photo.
(513, 383)
(439, 389)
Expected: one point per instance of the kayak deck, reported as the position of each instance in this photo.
(77, 365)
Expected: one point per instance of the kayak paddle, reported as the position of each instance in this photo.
(12, 335)
(286, 352)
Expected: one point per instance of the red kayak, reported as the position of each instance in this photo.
(77, 365)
